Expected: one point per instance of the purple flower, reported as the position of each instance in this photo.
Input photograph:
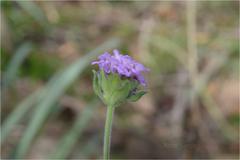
(123, 65)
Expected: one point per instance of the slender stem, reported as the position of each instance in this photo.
(107, 132)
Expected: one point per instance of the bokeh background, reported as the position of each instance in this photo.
(49, 110)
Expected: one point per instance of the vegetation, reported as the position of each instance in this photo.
(48, 106)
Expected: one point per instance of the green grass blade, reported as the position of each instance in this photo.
(34, 10)
(68, 76)
(90, 147)
(170, 47)
(22, 109)
(17, 114)
(13, 66)
(69, 140)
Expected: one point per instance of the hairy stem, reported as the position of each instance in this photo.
(107, 132)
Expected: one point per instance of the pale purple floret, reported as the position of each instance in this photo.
(124, 65)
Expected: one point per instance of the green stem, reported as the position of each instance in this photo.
(107, 132)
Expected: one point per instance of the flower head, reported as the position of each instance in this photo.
(123, 65)
(119, 78)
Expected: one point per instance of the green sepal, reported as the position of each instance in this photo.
(114, 90)
(96, 84)
(136, 96)
(103, 81)
(121, 93)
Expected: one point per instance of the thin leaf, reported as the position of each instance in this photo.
(34, 10)
(70, 138)
(90, 148)
(13, 66)
(170, 47)
(17, 114)
(23, 108)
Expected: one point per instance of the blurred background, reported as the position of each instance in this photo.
(49, 110)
